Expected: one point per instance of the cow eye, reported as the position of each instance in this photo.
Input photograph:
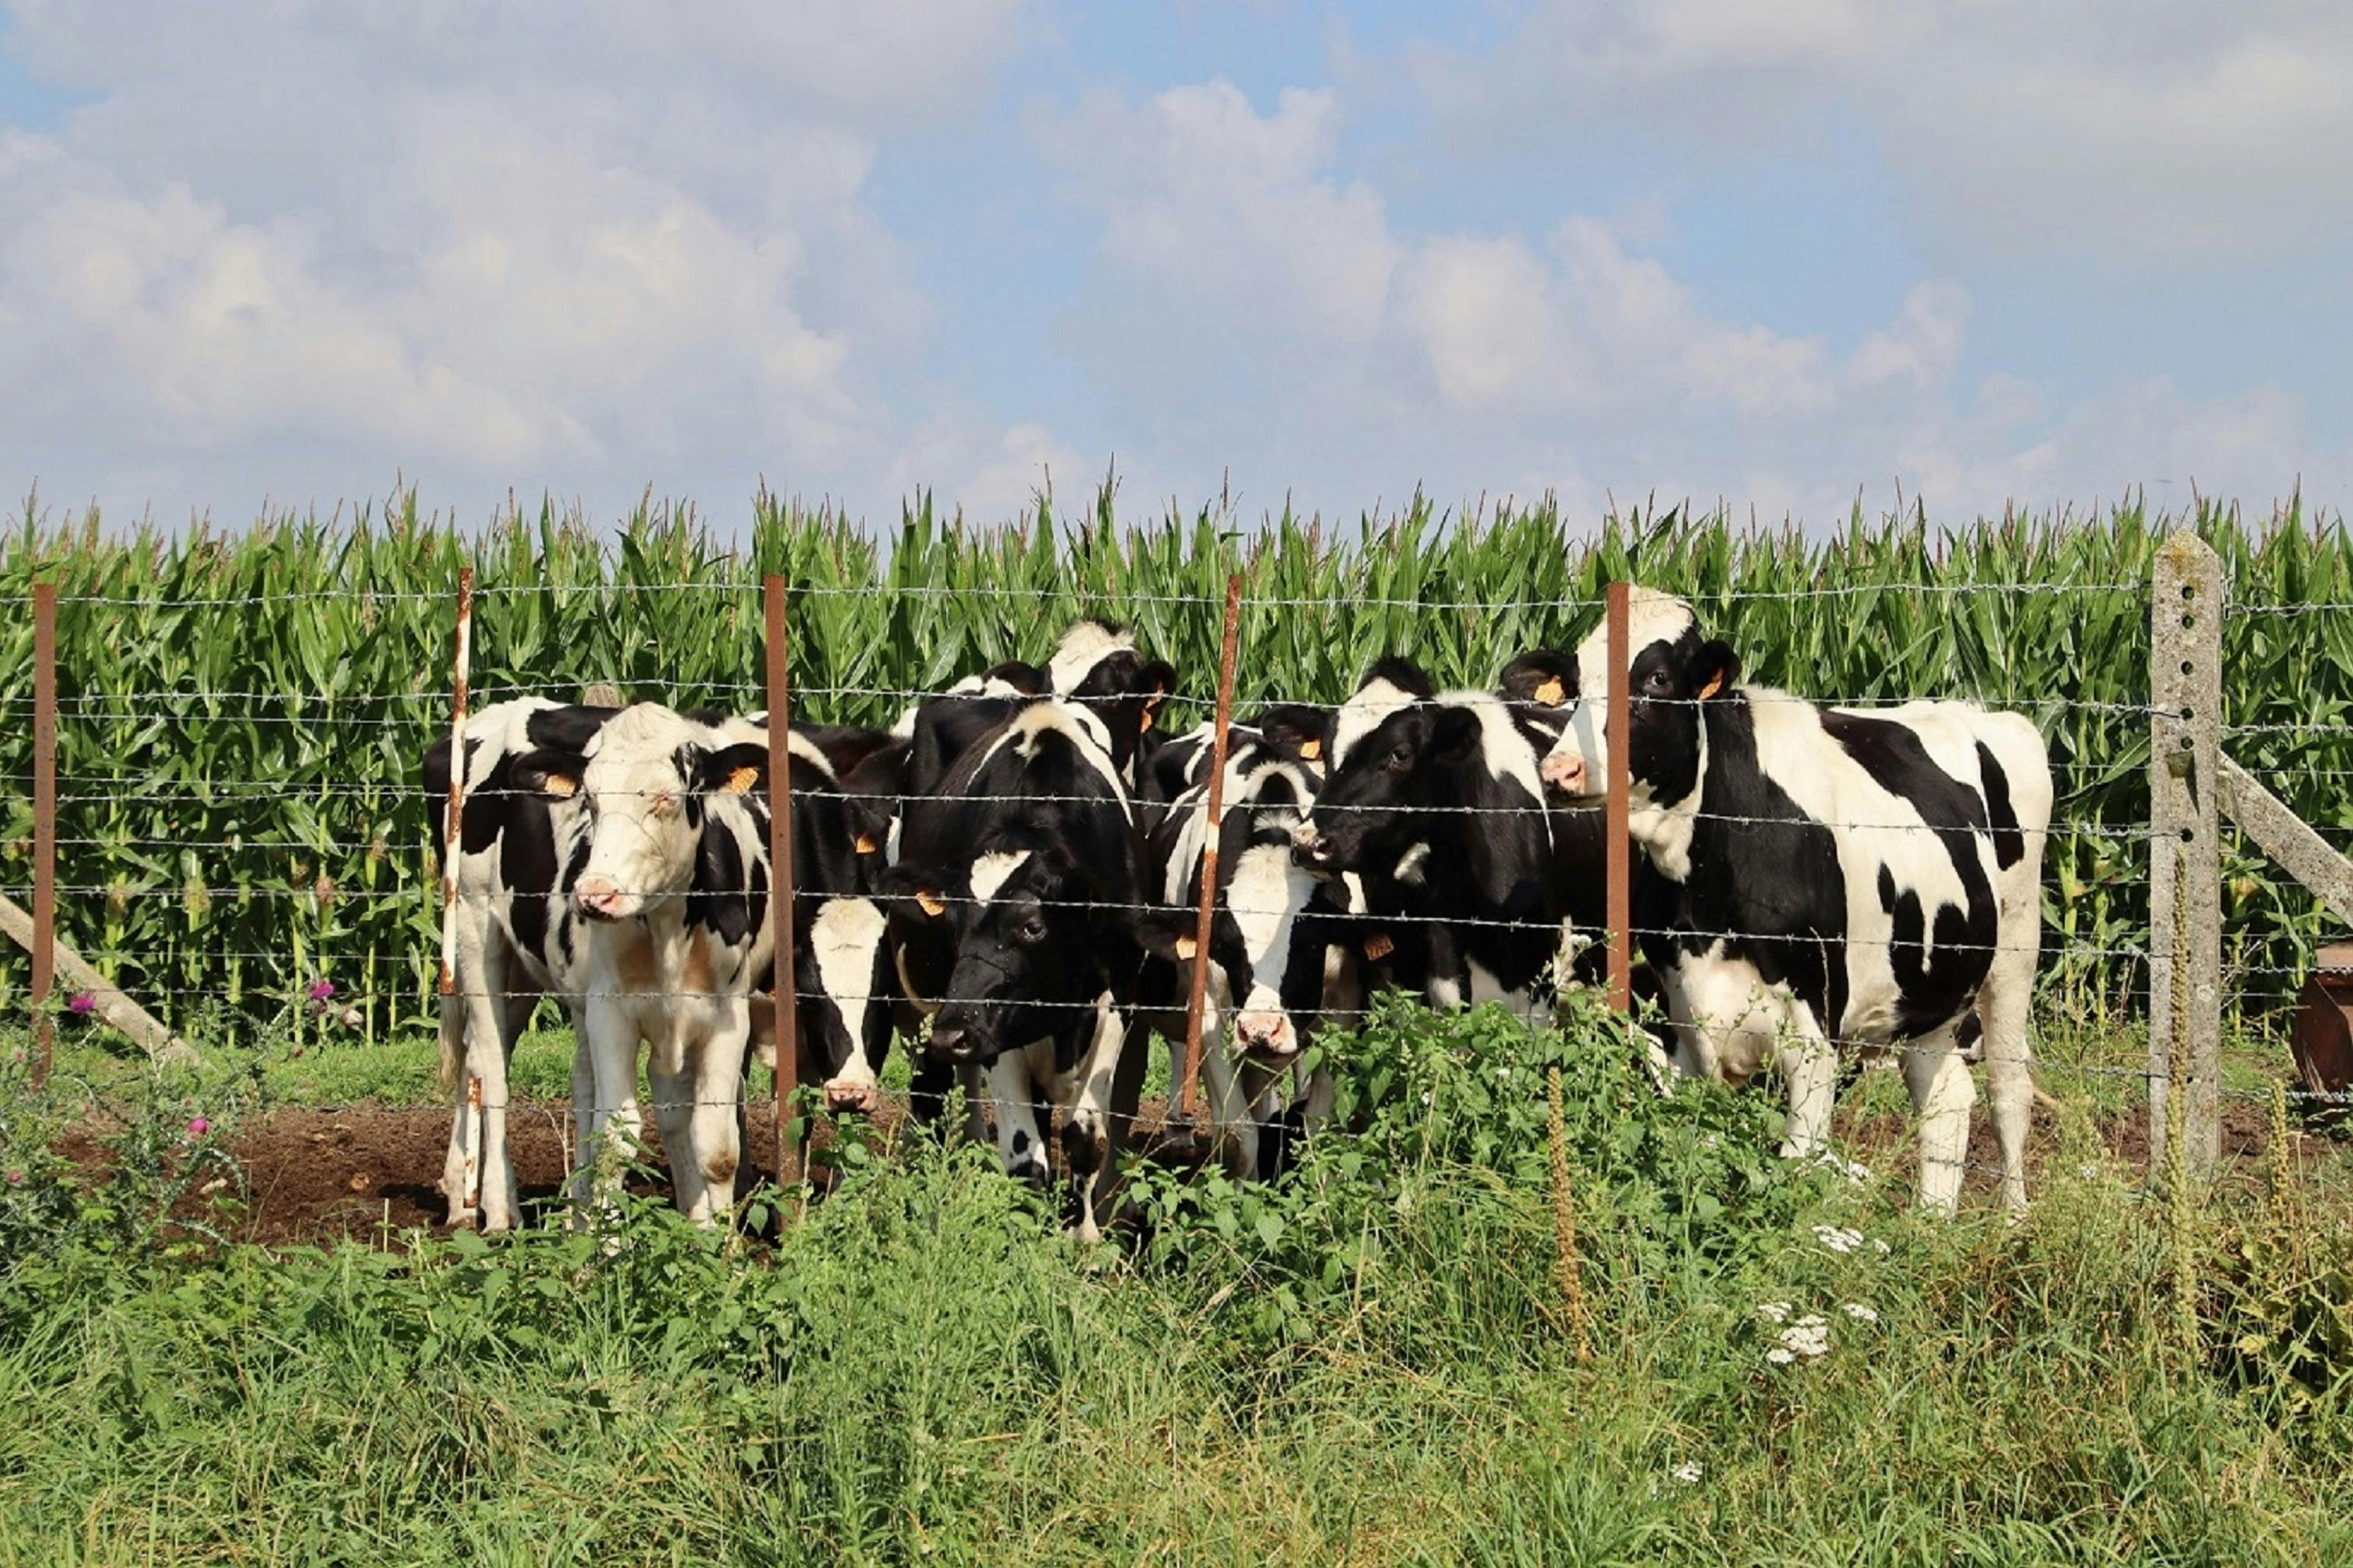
(1401, 757)
(1033, 928)
(1656, 683)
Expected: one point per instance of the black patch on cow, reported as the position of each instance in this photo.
(1760, 867)
(2009, 842)
(568, 729)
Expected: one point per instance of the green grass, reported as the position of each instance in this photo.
(1369, 1365)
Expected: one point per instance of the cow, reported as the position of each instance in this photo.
(1434, 802)
(1096, 667)
(516, 938)
(1023, 870)
(1827, 878)
(1271, 932)
(669, 866)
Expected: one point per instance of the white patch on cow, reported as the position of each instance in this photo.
(890, 841)
(1367, 708)
(1652, 617)
(800, 745)
(846, 936)
(1268, 890)
(1446, 992)
(1084, 731)
(993, 870)
(1412, 867)
(1084, 646)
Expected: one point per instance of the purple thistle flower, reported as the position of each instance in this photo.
(199, 1127)
(81, 1004)
(321, 989)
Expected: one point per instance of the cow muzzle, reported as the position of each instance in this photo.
(850, 1096)
(1566, 772)
(1266, 1036)
(1312, 848)
(600, 900)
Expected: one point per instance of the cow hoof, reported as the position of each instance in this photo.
(1032, 1172)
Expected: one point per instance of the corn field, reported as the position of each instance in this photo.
(241, 714)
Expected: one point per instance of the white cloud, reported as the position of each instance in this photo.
(1575, 363)
(2016, 123)
(581, 246)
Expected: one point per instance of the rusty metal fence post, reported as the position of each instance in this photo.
(45, 821)
(787, 1014)
(453, 843)
(1205, 918)
(2188, 597)
(1619, 865)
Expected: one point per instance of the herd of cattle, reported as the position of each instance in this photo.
(1008, 879)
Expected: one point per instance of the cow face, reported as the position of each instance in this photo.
(843, 975)
(1026, 945)
(1375, 813)
(1670, 672)
(644, 790)
(1267, 935)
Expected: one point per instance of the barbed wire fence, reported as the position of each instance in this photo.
(344, 875)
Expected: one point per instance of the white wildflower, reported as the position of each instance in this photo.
(1854, 1170)
(1860, 1313)
(1881, 1245)
(1779, 1357)
(1809, 1336)
(1777, 1310)
(1688, 1472)
(1838, 1240)
(1425, 1097)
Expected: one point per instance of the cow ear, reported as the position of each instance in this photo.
(741, 769)
(1540, 677)
(1716, 667)
(1456, 734)
(1154, 682)
(1296, 727)
(1171, 934)
(1018, 674)
(919, 889)
(555, 775)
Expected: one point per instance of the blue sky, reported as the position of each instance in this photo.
(1988, 250)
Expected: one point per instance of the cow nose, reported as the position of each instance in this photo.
(952, 1042)
(850, 1096)
(1310, 847)
(597, 896)
(1565, 771)
(1265, 1034)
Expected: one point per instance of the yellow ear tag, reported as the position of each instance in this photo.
(1311, 750)
(866, 844)
(930, 905)
(559, 786)
(1551, 691)
(1379, 945)
(741, 780)
(1715, 684)
(1147, 717)
(1185, 948)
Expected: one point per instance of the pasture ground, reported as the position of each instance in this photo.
(1374, 1362)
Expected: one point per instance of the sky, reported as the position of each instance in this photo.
(1977, 253)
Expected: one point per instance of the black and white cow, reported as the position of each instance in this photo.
(1435, 805)
(1828, 878)
(1022, 872)
(515, 938)
(1272, 934)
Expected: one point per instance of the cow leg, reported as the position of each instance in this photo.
(1233, 1138)
(1811, 1064)
(1942, 1093)
(975, 1084)
(613, 1127)
(502, 1198)
(715, 1069)
(1012, 1095)
(1086, 1135)
(2002, 1007)
(471, 1041)
(669, 1076)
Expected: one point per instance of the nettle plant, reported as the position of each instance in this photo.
(1439, 1159)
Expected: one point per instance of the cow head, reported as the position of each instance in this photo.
(1270, 924)
(1026, 947)
(644, 787)
(845, 985)
(1669, 672)
(1096, 667)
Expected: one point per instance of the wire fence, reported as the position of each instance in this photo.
(227, 848)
